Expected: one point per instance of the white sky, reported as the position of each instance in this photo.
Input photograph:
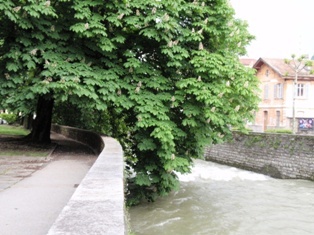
(280, 27)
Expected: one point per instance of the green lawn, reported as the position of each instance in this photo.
(12, 130)
(13, 148)
(24, 153)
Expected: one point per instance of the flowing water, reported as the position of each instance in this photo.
(216, 199)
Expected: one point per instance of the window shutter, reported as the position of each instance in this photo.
(278, 91)
(306, 91)
(265, 91)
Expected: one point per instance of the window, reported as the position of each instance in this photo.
(265, 91)
(267, 72)
(301, 90)
(278, 89)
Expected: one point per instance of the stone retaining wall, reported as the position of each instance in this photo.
(89, 138)
(97, 205)
(277, 155)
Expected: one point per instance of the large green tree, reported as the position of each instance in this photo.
(167, 70)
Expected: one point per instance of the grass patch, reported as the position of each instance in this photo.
(279, 131)
(12, 143)
(28, 153)
(13, 130)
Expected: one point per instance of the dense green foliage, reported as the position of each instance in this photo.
(165, 74)
(9, 117)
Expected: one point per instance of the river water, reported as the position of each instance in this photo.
(220, 200)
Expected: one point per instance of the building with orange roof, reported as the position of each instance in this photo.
(247, 62)
(279, 95)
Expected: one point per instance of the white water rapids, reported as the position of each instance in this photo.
(221, 200)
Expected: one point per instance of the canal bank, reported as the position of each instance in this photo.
(277, 155)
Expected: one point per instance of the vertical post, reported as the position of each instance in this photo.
(293, 102)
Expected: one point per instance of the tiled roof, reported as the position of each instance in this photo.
(283, 69)
(247, 62)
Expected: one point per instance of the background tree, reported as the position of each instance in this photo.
(166, 74)
(297, 64)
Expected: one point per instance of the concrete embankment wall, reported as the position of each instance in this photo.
(89, 138)
(276, 155)
(97, 205)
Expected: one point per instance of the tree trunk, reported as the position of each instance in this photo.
(27, 121)
(42, 124)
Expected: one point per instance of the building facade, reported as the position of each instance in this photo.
(284, 96)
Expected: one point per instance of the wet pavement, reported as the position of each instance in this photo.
(15, 168)
(34, 190)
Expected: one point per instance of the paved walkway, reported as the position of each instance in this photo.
(34, 191)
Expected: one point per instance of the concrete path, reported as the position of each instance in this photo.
(31, 205)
